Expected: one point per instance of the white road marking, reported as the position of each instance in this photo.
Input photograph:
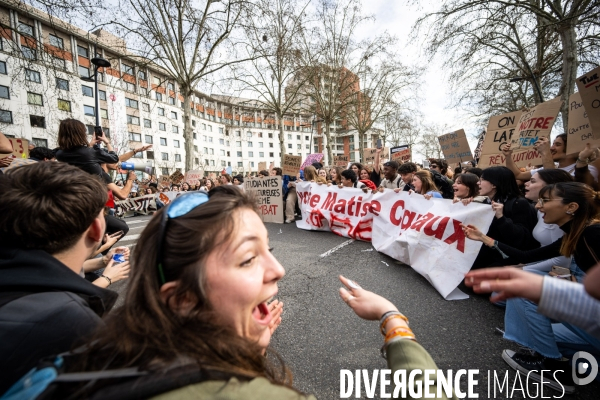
(336, 248)
(136, 222)
(129, 238)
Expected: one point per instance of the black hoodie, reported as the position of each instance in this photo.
(45, 308)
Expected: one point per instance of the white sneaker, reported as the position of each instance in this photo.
(289, 221)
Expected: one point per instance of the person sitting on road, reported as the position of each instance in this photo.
(198, 316)
(51, 222)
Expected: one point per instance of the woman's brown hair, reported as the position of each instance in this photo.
(310, 173)
(588, 201)
(470, 181)
(72, 133)
(427, 184)
(146, 333)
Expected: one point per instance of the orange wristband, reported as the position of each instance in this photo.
(389, 318)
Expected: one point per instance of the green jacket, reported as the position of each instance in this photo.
(402, 355)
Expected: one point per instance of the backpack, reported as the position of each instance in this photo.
(49, 381)
(443, 184)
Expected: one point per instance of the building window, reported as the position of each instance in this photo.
(220, 130)
(238, 144)
(64, 105)
(162, 126)
(195, 136)
(131, 103)
(104, 113)
(102, 95)
(87, 91)
(270, 136)
(130, 87)
(138, 155)
(4, 92)
(271, 145)
(175, 129)
(62, 84)
(240, 164)
(128, 69)
(150, 155)
(158, 96)
(163, 141)
(131, 119)
(270, 154)
(193, 123)
(147, 123)
(142, 75)
(83, 51)
(161, 111)
(289, 137)
(6, 116)
(261, 154)
(33, 76)
(89, 110)
(171, 100)
(203, 127)
(171, 87)
(221, 141)
(148, 139)
(176, 143)
(177, 157)
(261, 144)
(289, 145)
(28, 53)
(260, 134)
(38, 142)
(57, 42)
(35, 99)
(165, 171)
(3, 67)
(223, 163)
(249, 134)
(135, 137)
(238, 133)
(250, 154)
(249, 144)
(144, 91)
(195, 148)
(164, 156)
(84, 72)
(239, 153)
(145, 106)
(25, 29)
(37, 121)
(173, 115)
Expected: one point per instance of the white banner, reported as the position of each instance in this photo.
(141, 205)
(424, 234)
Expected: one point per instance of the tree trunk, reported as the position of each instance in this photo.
(188, 133)
(281, 139)
(328, 154)
(361, 145)
(568, 38)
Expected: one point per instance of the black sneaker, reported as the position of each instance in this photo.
(557, 373)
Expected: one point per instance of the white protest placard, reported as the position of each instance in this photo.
(535, 123)
(425, 234)
(455, 147)
(579, 131)
(290, 165)
(369, 154)
(269, 194)
(193, 177)
(589, 90)
(400, 154)
(341, 161)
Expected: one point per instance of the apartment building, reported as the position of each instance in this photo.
(42, 61)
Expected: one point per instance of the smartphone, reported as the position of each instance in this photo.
(379, 145)
(426, 164)
(98, 132)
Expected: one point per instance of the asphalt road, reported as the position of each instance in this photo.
(321, 335)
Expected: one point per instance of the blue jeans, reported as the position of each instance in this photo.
(526, 327)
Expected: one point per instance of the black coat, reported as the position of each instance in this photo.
(45, 308)
(87, 158)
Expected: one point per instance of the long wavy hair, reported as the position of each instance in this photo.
(427, 184)
(146, 333)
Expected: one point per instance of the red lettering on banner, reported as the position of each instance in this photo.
(407, 219)
(330, 200)
(303, 197)
(314, 200)
(340, 226)
(439, 231)
(315, 218)
(362, 227)
(393, 219)
(340, 206)
(458, 236)
(422, 221)
(375, 207)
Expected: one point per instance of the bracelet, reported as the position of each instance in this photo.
(107, 278)
(388, 319)
(399, 331)
(586, 161)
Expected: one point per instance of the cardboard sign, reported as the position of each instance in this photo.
(212, 175)
(341, 161)
(164, 178)
(455, 147)
(20, 148)
(401, 154)
(579, 131)
(589, 89)
(290, 165)
(269, 195)
(312, 158)
(369, 155)
(500, 131)
(535, 123)
(193, 177)
(479, 147)
(262, 166)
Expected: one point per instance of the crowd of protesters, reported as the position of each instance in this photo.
(200, 307)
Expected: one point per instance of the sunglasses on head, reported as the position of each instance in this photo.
(179, 207)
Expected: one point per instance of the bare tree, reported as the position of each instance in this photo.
(400, 128)
(189, 39)
(561, 34)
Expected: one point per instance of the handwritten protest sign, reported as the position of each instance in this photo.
(500, 131)
(262, 166)
(341, 161)
(589, 89)
(369, 155)
(140, 205)
(425, 234)
(20, 148)
(312, 158)
(193, 177)
(455, 146)
(269, 195)
(579, 131)
(401, 154)
(290, 164)
(479, 147)
(535, 123)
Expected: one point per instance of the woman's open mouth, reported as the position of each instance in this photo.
(262, 314)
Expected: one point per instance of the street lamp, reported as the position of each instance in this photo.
(535, 82)
(98, 62)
